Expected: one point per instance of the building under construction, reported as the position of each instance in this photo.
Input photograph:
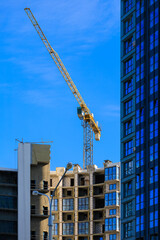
(86, 205)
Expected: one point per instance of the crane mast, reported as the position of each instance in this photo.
(88, 122)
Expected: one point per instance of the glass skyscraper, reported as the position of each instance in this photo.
(140, 114)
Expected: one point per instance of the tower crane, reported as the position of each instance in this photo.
(90, 126)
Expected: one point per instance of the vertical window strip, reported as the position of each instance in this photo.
(153, 219)
(139, 7)
(140, 94)
(154, 40)
(153, 85)
(140, 137)
(140, 180)
(154, 17)
(128, 148)
(128, 66)
(128, 5)
(153, 107)
(153, 197)
(153, 152)
(154, 62)
(140, 72)
(140, 50)
(139, 159)
(139, 201)
(128, 25)
(139, 116)
(140, 29)
(128, 45)
(140, 223)
(153, 175)
(128, 86)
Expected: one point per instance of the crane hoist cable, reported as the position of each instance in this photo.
(88, 122)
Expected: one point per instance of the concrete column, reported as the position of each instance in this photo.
(76, 205)
(91, 204)
(24, 161)
(60, 210)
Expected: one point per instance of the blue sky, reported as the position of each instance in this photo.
(35, 102)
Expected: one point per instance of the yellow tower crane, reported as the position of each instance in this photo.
(88, 122)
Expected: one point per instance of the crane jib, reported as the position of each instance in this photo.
(89, 124)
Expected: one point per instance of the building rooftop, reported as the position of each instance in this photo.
(8, 169)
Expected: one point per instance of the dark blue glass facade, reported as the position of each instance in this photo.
(140, 115)
(8, 205)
